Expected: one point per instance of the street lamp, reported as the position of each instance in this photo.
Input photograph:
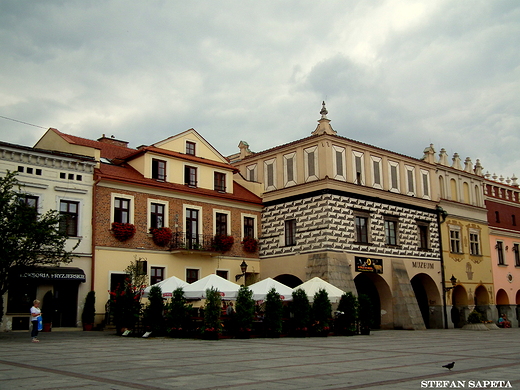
(453, 281)
(243, 268)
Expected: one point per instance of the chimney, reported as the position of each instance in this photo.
(113, 141)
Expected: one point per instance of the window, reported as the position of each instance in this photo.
(391, 231)
(500, 253)
(497, 217)
(289, 165)
(223, 274)
(192, 275)
(158, 169)
(474, 243)
(69, 218)
(455, 240)
(376, 172)
(249, 227)
(190, 176)
(221, 224)
(269, 174)
(157, 215)
(156, 275)
(190, 148)
(63, 175)
(361, 229)
(410, 180)
(192, 228)
(29, 206)
(251, 172)
(516, 251)
(359, 169)
(310, 163)
(29, 170)
(39, 172)
(20, 168)
(220, 181)
(394, 176)
(339, 163)
(513, 220)
(424, 235)
(425, 184)
(121, 210)
(70, 176)
(290, 232)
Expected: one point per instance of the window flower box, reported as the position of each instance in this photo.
(123, 231)
(223, 242)
(161, 236)
(250, 244)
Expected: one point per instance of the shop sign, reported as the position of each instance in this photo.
(367, 264)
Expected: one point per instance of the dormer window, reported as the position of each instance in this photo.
(190, 148)
(158, 169)
(220, 182)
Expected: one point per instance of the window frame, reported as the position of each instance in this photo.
(219, 181)
(190, 176)
(391, 166)
(254, 227)
(270, 184)
(474, 244)
(289, 169)
(500, 252)
(151, 213)
(195, 275)
(158, 169)
(377, 161)
(68, 214)
(516, 251)
(411, 187)
(114, 198)
(391, 221)
(455, 234)
(310, 166)
(358, 158)
(191, 148)
(290, 232)
(219, 225)
(154, 278)
(423, 235)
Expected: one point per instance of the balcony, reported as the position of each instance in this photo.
(201, 244)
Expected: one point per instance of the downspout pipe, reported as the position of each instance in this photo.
(441, 213)
(94, 228)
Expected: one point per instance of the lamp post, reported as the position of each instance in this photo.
(453, 281)
(243, 268)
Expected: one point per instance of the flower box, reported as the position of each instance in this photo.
(250, 244)
(161, 236)
(123, 231)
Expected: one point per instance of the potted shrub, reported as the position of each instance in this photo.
(47, 311)
(250, 244)
(301, 310)
(212, 324)
(153, 314)
(89, 311)
(178, 314)
(365, 314)
(347, 315)
(245, 311)
(321, 314)
(161, 236)
(273, 314)
(123, 231)
(125, 305)
(223, 242)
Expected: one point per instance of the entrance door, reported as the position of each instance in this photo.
(65, 304)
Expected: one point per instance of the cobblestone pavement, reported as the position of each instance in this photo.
(69, 359)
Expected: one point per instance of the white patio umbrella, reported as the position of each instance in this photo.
(315, 284)
(197, 290)
(261, 288)
(167, 286)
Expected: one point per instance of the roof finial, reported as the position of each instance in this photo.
(323, 111)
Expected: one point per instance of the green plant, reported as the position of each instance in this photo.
(178, 314)
(475, 317)
(245, 310)
(273, 314)
(89, 309)
(347, 317)
(321, 312)
(153, 314)
(301, 310)
(125, 305)
(212, 310)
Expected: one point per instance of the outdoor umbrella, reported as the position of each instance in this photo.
(261, 288)
(312, 286)
(167, 286)
(197, 290)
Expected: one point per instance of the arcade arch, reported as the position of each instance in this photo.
(429, 300)
(289, 280)
(380, 294)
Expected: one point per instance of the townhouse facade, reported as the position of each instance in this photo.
(502, 198)
(363, 218)
(180, 186)
(51, 180)
(468, 280)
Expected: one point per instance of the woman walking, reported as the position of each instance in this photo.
(36, 318)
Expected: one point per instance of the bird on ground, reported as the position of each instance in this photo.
(449, 366)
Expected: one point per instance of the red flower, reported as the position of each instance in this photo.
(161, 236)
(250, 244)
(123, 231)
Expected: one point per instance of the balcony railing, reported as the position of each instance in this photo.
(195, 242)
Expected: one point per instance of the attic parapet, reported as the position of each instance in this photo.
(429, 156)
(513, 181)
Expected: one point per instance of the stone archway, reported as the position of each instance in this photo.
(289, 280)
(459, 309)
(380, 294)
(429, 300)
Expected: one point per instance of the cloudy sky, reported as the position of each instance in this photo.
(396, 74)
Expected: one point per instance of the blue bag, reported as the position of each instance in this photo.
(40, 323)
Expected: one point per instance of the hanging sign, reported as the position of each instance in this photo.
(368, 264)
